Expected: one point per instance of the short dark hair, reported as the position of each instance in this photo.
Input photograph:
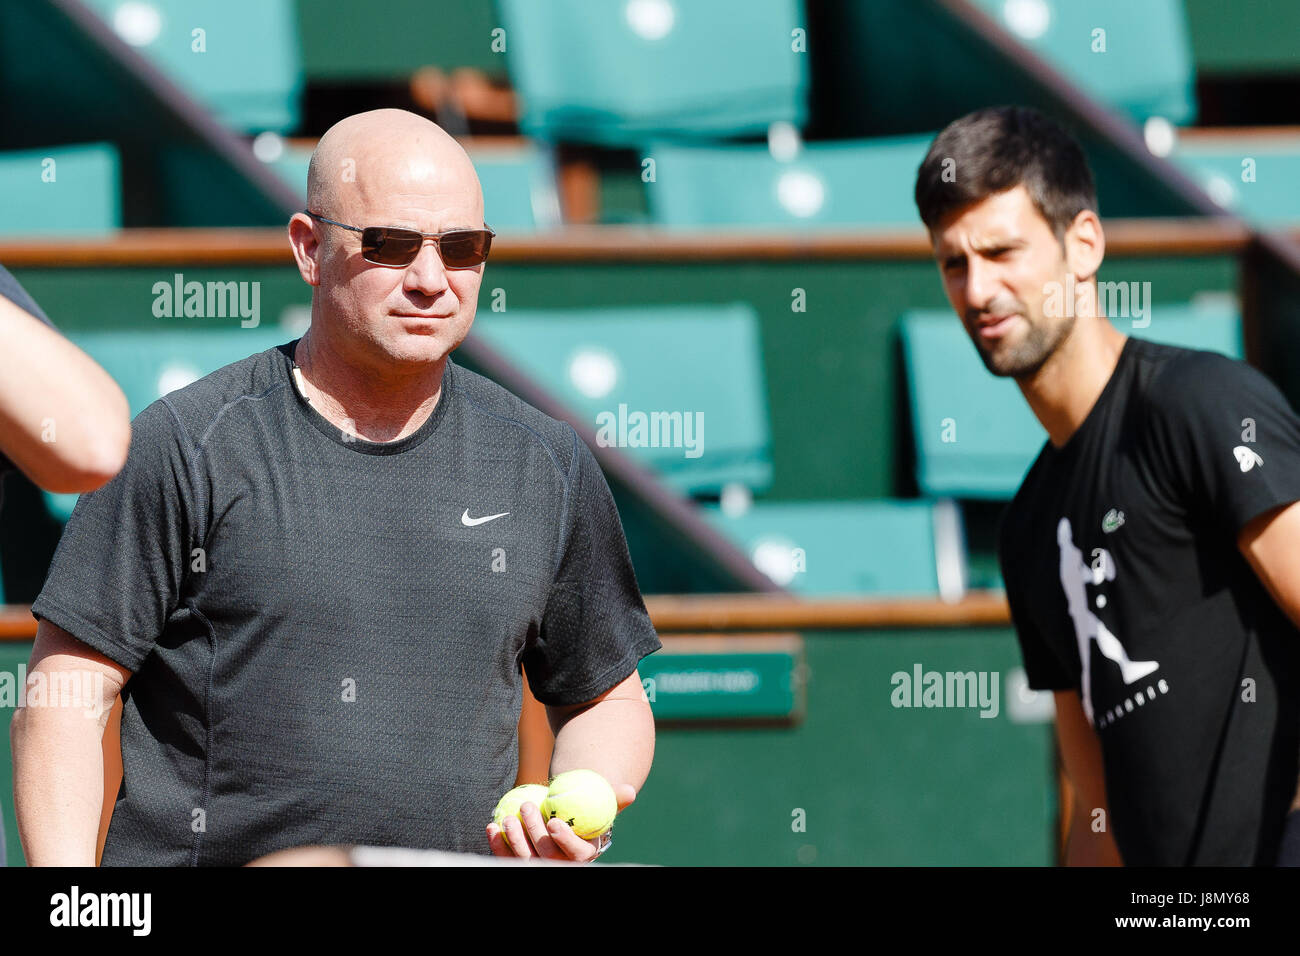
(995, 149)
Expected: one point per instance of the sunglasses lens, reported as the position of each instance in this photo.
(461, 250)
(390, 247)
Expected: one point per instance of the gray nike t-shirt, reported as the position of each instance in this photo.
(326, 633)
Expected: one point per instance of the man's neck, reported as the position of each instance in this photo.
(378, 405)
(1065, 389)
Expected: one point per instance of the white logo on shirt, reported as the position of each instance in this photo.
(1112, 521)
(1075, 573)
(469, 522)
(1246, 458)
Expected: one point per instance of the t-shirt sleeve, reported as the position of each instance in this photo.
(1226, 439)
(595, 627)
(1044, 667)
(117, 573)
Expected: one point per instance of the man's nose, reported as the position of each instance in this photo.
(982, 283)
(427, 274)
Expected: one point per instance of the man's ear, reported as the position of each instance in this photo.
(306, 248)
(1085, 245)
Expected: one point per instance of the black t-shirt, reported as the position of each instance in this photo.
(1125, 582)
(15, 293)
(326, 633)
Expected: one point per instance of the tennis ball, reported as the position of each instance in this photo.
(584, 800)
(508, 806)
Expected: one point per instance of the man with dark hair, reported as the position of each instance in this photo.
(1152, 554)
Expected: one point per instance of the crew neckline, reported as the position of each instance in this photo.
(1103, 397)
(357, 444)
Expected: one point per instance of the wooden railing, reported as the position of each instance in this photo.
(197, 247)
(713, 613)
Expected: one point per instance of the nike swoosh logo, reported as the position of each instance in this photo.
(469, 522)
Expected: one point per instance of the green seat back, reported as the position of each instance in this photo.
(1255, 179)
(1211, 326)
(615, 72)
(619, 368)
(1140, 62)
(519, 192)
(825, 185)
(245, 66)
(825, 548)
(62, 190)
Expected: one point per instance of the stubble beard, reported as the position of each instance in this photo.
(1026, 357)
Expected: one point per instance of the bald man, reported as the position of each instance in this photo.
(318, 576)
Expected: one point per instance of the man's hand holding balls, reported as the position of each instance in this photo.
(565, 821)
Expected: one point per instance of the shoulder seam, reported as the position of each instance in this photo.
(528, 428)
(564, 510)
(235, 401)
(192, 468)
(194, 450)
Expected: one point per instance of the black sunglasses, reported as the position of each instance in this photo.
(395, 246)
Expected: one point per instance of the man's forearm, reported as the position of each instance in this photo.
(58, 784)
(615, 737)
(63, 420)
(1086, 847)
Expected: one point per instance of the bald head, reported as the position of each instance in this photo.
(385, 320)
(392, 162)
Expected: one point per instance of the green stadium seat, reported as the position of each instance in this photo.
(1145, 67)
(62, 190)
(1253, 178)
(641, 375)
(825, 185)
(974, 434)
(1209, 325)
(519, 192)
(291, 166)
(149, 364)
(895, 548)
(249, 70)
(518, 183)
(619, 73)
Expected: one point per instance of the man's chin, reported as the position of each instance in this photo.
(425, 340)
(1005, 361)
(415, 349)
(1014, 355)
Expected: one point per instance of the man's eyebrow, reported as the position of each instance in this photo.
(997, 242)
